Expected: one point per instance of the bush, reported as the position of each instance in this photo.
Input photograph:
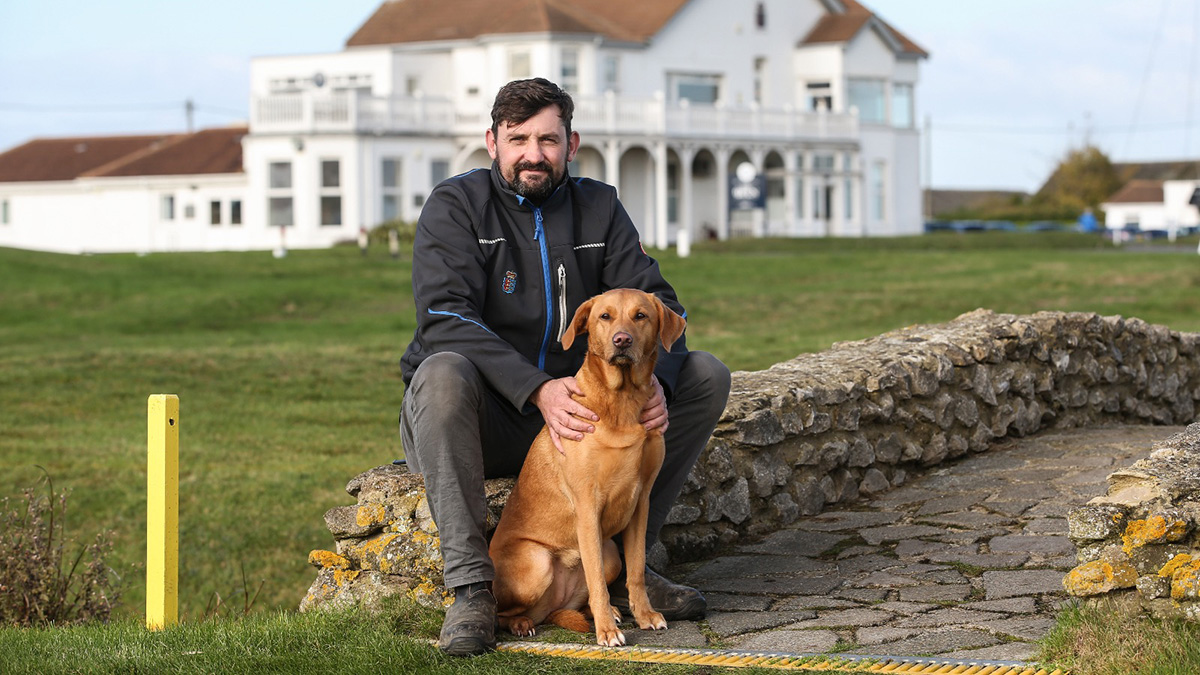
(38, 585)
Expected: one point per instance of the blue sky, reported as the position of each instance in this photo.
(1010, 86)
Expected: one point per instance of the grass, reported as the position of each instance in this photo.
(289, 384)
(1105, 640)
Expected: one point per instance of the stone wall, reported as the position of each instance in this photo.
(825, 428)
(1140, 543)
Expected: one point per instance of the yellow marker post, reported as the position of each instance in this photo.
(162, 511)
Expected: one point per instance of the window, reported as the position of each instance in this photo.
(4, 212)
(820, 96)
(279, 201)
(391, 174)
(235, 212)
(878, 190)
(519, 66)
(569, 73)
(760, 79)
(189, 211)
(166, 208)
(412, 85)
(867, 96)
(823, 164)
(902, 105)
(214, 212)
(612, 73)
(331, 196)
(760, 15)
(698, 89)
(439, 170)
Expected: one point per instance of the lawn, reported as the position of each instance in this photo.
(289, 385)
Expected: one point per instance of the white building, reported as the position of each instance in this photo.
(671, 97)
(1147, 205)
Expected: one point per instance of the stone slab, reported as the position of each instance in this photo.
(876, 635)
(985, 560)
(1009, 584)
(1055, 526)
(789, 641)
(727, 602)
(833, 521)
(1032, 543)
(949, 617)
(906, 608)
(814, 602)
(748, 566)
(1018, 605)
(948, 504)
(878, 535)
(967, 519)
(853, 618)
(795, 542)
(774, 586)
(735, 623)
(939, 593)
(679, 634)
(1007, 651)
(934, 643)
(1025, 628)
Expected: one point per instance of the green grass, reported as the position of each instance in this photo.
(289, 384)
(1107, 640)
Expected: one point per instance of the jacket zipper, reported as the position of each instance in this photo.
(539, 234)
(562, 300)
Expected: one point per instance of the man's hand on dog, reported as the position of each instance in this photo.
(565, 417)
(654, 415)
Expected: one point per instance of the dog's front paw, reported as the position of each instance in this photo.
(610, 637)
(521, 626)
(652, 621)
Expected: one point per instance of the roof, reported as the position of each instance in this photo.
(400, 21)
(1160, 171)
(841, 26)
(1138, 191)
(53, 159)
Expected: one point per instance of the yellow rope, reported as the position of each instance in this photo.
(735, 659)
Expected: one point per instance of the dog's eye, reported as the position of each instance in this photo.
(639, 316)
(605, 317)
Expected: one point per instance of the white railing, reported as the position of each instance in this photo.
(354, 112)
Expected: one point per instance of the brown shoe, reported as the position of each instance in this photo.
(675, 602)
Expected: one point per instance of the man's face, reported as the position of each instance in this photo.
(533, 155)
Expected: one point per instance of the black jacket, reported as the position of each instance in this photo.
(497, 280)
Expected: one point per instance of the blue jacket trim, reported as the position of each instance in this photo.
(459, 316)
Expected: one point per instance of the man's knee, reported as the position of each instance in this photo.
(452, 379)
(710, 377)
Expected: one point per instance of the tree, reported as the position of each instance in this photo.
(1083, 179)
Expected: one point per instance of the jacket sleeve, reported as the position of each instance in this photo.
(449, 283)
(627, 265)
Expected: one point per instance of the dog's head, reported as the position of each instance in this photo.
(624, 326)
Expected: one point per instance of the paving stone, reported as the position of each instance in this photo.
(847, 617)
(680, 634)
(745, 566)
(1051, 508)
(1061, 562)
(990, 462)
(968, 519)
(814, 602)
(882, 634)
(1032, 543)
(949, 617)
(847, 520)
(1038, 476)
(1000, 585)
(882, 580)
(915, 548)
(866, 563)
(948, 504)
(906, 608)
(1056, 526)
(904, 495)
(985, 560)
(789, 641)
(1007, 651)
(970, 536)
(725, 602)
(877, 535)
(864, 594)
(1025, 628)
(1018, 605)
(795, 542)
(1021, 491)
(947, 482)
(1076, 461)
(939, 593)
(734, 623)
(1093, 477)
(774, 585)
(934, 643)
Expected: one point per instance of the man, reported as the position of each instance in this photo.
(501, 260)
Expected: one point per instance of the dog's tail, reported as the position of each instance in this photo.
(571, 619)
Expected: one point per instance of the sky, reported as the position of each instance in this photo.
(1010, 87)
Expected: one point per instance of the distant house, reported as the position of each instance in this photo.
(671, 97)
(1156, 197)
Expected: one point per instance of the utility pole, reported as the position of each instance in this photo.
(189, 108)
(928, 168)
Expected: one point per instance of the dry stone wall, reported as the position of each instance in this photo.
(825, 428)
(1140, 543)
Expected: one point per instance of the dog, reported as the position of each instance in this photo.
(553, 549)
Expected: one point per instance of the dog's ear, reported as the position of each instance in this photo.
(578, 325)
(670, 324)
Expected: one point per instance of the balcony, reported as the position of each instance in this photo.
(353, 112)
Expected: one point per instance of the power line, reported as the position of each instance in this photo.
(114, 107)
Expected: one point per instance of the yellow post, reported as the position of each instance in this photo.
(162, 512)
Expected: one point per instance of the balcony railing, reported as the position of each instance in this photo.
(343, 112)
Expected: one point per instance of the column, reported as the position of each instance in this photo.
(660, 195)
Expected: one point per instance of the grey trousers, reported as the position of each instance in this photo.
(457, 431)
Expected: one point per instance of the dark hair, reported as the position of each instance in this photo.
(520, 100)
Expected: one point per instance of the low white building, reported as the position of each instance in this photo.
(671, 97)
(1147, 205)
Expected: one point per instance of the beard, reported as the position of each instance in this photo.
(538, 189)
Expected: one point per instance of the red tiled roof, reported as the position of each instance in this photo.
(835, 27)
(54, 159)
(399, 21)
(1139, 192)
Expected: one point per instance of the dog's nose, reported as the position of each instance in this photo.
(622, 340)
